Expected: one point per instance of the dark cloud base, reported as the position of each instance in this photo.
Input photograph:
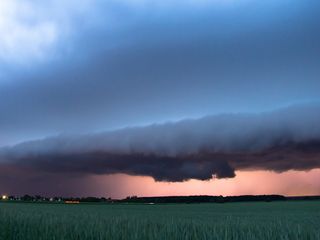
(201, 166)
(215, 146)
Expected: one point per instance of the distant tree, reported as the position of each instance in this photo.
(27, 198)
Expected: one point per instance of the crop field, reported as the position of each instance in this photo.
(261, 220)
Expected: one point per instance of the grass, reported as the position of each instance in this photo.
(263, 220)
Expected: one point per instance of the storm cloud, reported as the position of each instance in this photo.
(281, 140)
(126, 64)
(174, 90)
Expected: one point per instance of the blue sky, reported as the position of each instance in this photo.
(100, 65)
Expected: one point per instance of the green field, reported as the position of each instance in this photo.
(263, 220)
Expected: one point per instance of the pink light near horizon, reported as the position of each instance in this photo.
(289, 183)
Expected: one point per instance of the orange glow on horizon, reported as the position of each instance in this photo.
(71, 202)
(291, 183)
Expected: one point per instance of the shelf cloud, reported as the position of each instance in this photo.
(174, 90)
(281, 140)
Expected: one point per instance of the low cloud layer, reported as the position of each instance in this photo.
(285, 139)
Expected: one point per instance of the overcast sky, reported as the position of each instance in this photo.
(70, 68)
(99, 65)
